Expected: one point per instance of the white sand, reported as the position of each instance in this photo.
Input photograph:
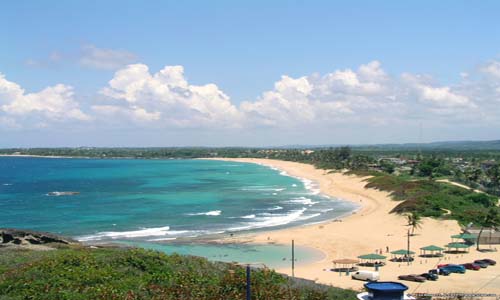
(371, 228)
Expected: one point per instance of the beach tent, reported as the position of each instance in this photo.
(344, 265)
(435, 251)
(464, 236)
(372, 259)
(402, 255)
(402, 252)
(459, 247)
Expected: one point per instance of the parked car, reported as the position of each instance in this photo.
(430, 276)
(365, 275)
(481, 263)
(490, 262)
(439, 272)
(442, 265)
(454, 268)
(472, 266)
(412, 277)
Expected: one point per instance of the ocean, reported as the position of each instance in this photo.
(158, 203)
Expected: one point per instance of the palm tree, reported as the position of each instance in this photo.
(414, 220)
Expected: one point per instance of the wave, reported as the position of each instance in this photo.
(56, 193)
(262, 188)
(7, 184)
(270, 220)
(155, 231)
(208, 213)
(303, 200)
(311, 186)
(277, 207)
(162, 239)
(248, 217)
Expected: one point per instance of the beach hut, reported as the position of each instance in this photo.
(402, 255)
(457, 247)
(372, 259)
(435, 251)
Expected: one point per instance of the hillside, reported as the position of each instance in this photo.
(116, 273)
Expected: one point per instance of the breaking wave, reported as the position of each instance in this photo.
(208, 213)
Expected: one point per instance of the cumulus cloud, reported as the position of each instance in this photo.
(492, 69)
(106, 59)
(435, 98)
(338, 96)
(167, 97)
(366, 95)
(55, 103)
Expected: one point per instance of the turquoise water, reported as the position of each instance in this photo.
(154, 202)
(272, 256)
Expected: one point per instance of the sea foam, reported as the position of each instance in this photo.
(208, 213)
(156, 231)
(269, 220)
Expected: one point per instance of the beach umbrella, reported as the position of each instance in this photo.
(458, 246)
(402, 252)
(372, 256)
(432, 249)
(464, 236)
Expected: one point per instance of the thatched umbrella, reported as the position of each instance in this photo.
(344, 264)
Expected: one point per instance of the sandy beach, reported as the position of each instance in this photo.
(373, 228)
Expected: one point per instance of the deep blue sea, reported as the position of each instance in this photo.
(152, 203)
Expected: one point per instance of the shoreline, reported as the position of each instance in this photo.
(372, 227)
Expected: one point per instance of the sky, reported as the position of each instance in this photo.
(247, 73)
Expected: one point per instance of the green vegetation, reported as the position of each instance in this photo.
(428, 198)
(141, 274)
(414, 220)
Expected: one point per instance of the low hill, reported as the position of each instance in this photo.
(120, 273)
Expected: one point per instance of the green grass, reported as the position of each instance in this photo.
(428, 198)
(140, 274)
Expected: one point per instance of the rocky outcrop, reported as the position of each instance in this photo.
(28, 237)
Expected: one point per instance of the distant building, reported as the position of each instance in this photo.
(488, 236)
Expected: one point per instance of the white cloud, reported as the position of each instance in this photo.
(135, 113)
(363, 96)
(339, 96)
(492, 68)
(168, 98)
(55, 103)
(106, 59)
(438, 96)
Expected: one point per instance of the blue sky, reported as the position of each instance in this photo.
(433, 63)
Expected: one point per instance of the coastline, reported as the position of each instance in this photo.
(372, 227)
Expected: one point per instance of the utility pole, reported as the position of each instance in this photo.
(408, 252)
(249, 291)
(293, 258)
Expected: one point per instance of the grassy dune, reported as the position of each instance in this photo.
(141, 274)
